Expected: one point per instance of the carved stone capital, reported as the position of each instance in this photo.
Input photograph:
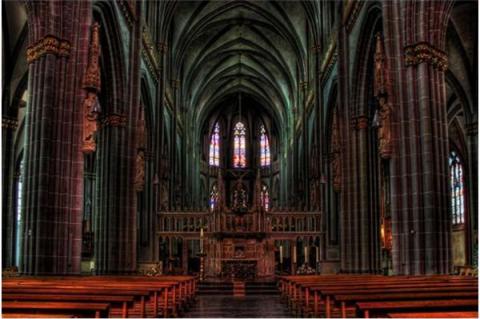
(424, 52)
(49, 44)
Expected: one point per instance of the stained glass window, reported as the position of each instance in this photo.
(239, 146)
(214, 156)
(264, 148)
(457, 188)
(213, 198)
(265, 197)
(19, 217)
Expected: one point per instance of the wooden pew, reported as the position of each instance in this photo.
(123, 300)
(181, 291)
(296, 289)
(379, 308)
(446, 314)
(167, 293)
(379, 289)
(394, 295)
(97, 310)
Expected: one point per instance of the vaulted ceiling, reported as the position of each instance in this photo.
(221, 48)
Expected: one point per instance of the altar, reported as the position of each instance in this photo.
(239, 269)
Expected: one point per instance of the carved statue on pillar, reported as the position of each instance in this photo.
(381, 91)
(335, 156)
(141, 145)
(140, 171)
(91, 83)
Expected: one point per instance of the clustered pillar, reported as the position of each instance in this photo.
(58, 34)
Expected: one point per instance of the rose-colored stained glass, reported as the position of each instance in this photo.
(214, 152)
(239, 146)
(264, 148)
(457, 189)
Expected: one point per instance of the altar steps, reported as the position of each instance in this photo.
(261, 288)
(227, 288)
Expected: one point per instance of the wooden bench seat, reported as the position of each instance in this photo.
(305, 295)
(345, 299)
(379, 308)
(91, 309)
(122, 300)
(445, 314)
(151, 295)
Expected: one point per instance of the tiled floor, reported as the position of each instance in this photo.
(253, 306)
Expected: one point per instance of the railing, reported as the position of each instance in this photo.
(285, 222)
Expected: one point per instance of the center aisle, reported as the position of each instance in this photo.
(250, 306)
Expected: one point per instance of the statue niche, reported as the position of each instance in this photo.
(240, 198)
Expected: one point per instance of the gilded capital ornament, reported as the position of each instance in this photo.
(49, 44)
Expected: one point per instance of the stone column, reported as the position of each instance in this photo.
(9, 125)
(116, 222)
(421, 223)
(57, 57)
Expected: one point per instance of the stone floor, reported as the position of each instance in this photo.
(252, 306)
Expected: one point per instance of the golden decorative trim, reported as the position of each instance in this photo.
(9, 123)
(424, 52)
(351, 11)
(91, 78)
(329, 59)
(115, 120)
(49, 44)
(150, 53)
(128, 10)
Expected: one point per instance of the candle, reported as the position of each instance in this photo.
(201, 240)
(317, 251)
(281, 253)
(306, 254)
(295, 254)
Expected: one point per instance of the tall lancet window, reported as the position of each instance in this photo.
(265, 197)
(457, 188)
(264, 148)
(239, 146)
(214, 156)
(213, 198)
(18, 210)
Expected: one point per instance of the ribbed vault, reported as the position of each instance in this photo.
(222, 48)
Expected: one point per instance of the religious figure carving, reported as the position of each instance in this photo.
(381, 88)
(384, 130)
(140, 171)
(91, 83)
(335, 156)
(239, 197)
(90, 108)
